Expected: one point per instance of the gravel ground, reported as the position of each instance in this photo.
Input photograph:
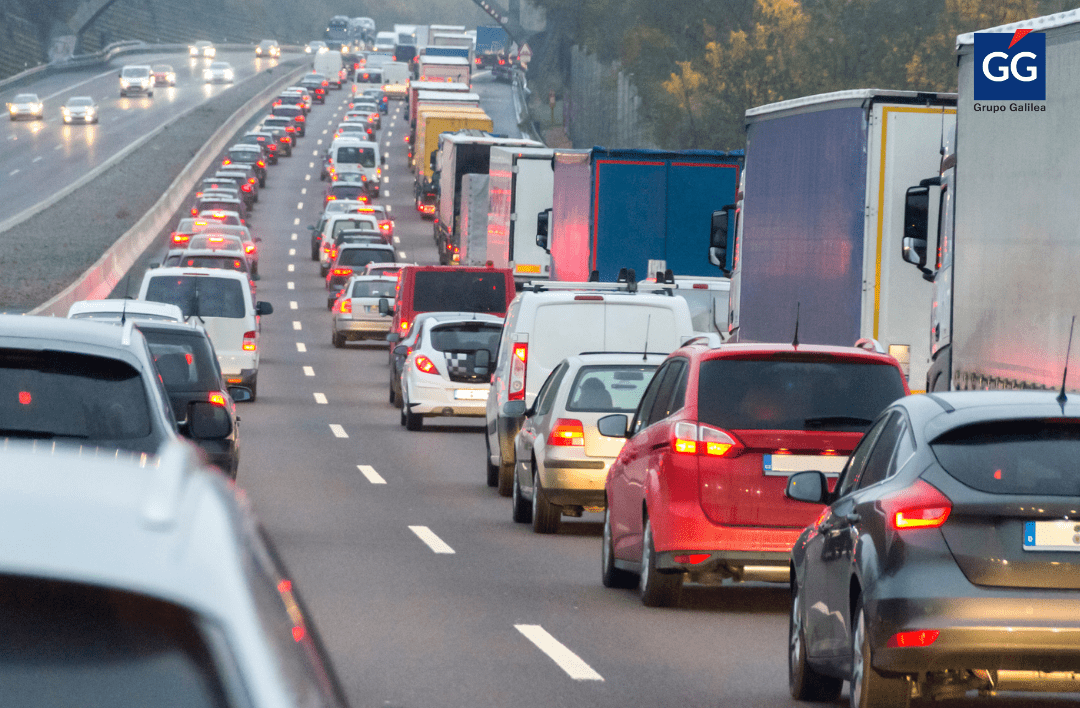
(44, 254)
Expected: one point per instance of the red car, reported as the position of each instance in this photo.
(697, 491)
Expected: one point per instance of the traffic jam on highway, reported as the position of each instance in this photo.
(828, 419)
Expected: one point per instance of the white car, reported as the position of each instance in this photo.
(385, 269)
(316, 47)
(356, 312)
(26, 105)
(448, 372)
(202, 49)
(114, 310)
(219, 72)
(81, 109)
(136, 79)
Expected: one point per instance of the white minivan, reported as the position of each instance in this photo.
(221, 301)
(548, 322)
(349, 154)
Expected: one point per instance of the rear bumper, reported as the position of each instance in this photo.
(439, 400)
(362, 329)
(577, 482)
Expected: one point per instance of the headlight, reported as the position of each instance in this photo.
(207, 74)
(172, 78)
(228, 73)
(12, 108)
(193, 51)
(64, 110)
(307, 50)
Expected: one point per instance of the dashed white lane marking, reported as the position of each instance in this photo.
(372, 476)
(294, 305)
(308, 371)
(389, 133)
(320, 398)
(292, 251)
(12, 137)
(301, 347)
(307, 178)
(291, 285)
(296, 221)
(299, 205)
(303, 190)
(401, 255)
(292, 267)
(37, 159)
(386, 180)
(397, 240)
(294, 237)
(428, 537)
(296, 325)
(13, 173)
(567, 660)
(316, 154)
(325, 130)
(312, 164)
(388, 209)
(338, 431)
(318, 142)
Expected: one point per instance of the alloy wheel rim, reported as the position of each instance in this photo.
(646, 556)
(858, 667)
(795, 638)
(607, 539)
(535, 497)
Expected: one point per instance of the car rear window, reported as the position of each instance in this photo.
(459, 291)
(70, 645)
(224, 262)
(795, 394)
(50, 394)
(245, 155)
(1033, 456)
(292, 111)
(373, 288)
(210, 242)
(466, 336)
(609, 389)
(363, 256)
(218, 206)
(201, 296)
(185, 361)
(352, 155)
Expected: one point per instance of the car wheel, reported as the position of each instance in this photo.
(522, 512)
(338, 340)
(329, 304)
(262, 182)
(393, 395)
(868, 687)
(506, 478)
(611, 576)
(804, 682)
(314, 252)
(322, 271)
(413, 421)
(401, 410)
(254, 386)
(545, 515)
(657, 589)
(492, 470)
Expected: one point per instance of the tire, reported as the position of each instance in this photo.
(522, 508)
(338, 340)
(262, 182)
(413, 421)
(149, 94)
(314, 253)
(329, 304)
(505, 479)
(545, 515)
(804, 681)
(657, 589)
(492, 470)
(611, 576)
(402, 412)
(254, 387)
(868, 687)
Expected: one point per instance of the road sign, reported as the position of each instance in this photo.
(525, 54)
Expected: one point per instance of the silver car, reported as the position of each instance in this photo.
(26, 105)
(355, 311)
(562, 460)
(79, 109)
(219, 72)
(142, 580)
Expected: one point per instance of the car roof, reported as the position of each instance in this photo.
(372, 278)
(946, 410)
(757, 350)
(441, 318)
(131, 307)
(612, 358)
(378, 246)
(83, 336)
(173, 271)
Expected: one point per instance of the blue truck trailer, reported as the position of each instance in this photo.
(492, 44)
(625, 208)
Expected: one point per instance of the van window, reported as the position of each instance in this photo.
(200, 296)
(373, 288)
(626, 324)
(363, 256)
(347, 224)
(136, 72)
(460, 291)
(354, 155)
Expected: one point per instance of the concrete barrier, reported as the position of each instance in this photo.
(101, 278)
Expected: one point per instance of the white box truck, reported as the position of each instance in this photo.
(1003, 253)
(474, 219)
(522, 186)
(822, 212)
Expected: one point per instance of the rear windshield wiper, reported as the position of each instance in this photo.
(822, 421)
(37, 434)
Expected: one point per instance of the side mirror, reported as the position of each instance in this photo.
(514, 409)
(207, 421)
(384, 306)
(613, 426)
(393, 337)
(720, 235)
(543, 223)
(240, 394)
(401, 350)
(263, 308)
(482, 362)
(310, 228)
(155, 265)
(810, 487)
(257, 239)
(256, 276)
(916, 225)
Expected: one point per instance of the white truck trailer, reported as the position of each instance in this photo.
(522, 186)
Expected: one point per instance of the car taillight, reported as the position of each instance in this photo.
(341, 271)
(300, 119)
(290, 129)
(217, 398)
(425, 365)
(519, 358)
(251, 180)
(249, 248)
(333, 253)
(915, 638)
(920, 506)
(691, 439)
(249, 341)
(180, 239)
(384, 225)
(194, 211)
(260, 163)
(567, 433)
(346, 306)
(245, 188)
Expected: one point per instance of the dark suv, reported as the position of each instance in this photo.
(698, 489)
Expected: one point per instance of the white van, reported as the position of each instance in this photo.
(548, 322)
(349, 154)
(329, 65)
(221, 301)
(332, 226)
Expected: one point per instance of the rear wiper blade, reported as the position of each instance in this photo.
(822, 421)
(37, 434)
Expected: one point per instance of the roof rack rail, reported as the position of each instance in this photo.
(634, 353)
(540, 286)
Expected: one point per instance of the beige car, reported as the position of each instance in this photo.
(562, 460)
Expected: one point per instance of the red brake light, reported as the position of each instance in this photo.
(425, 365)
(249, 248)
(685, 440)
(25, 398)
(567, 433)
(217, 398)
(346, 306)
(260, 163)
(341, 271)
(180, 239)
(919, 506)
(249, 341)
(691, 439)
(246, 188)
(519, 359)
(916, 638)
(226, 161)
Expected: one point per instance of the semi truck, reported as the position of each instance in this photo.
(821, 213)
(614, 209)
(522, 183)
(415, 87)
(1002, 254)
(474, 219)
(492, 43)
(461, 153)
(405, 45)
(434, 119)
(438, 69)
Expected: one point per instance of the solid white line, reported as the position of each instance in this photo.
(320, 398)
(308, 371)
(433, 542)
(299, 205)
(37, 159)
(372, 476)
(13, 173)
(567, 660)
(292, 267)
(290, 285)
(294, 305)
(301, 347)
(296, 325)
(338, 431)
(292, 251)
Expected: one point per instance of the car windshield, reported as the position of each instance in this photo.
(53, 394)
(25, 98)
(70, 645)
(363, 256)
(80, 101)
(464, 291)
(465, 336)
(135, 72)
(199, 296)
(184, 359)
(609, 389)
(795, 393)
(373, 288)
(354, 155)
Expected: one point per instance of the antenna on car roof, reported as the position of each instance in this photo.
(795, 339)
(1061, 397)
(123, 314)
(645, 354)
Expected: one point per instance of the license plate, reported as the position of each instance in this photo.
(471, 394)
(787, 465)
(1058, 535)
